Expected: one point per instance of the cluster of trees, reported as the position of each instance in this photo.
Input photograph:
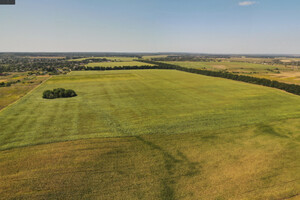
(58, 93)
(7, 84)
(44, 65)
(292, 88)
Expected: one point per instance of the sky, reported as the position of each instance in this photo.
(196, 26)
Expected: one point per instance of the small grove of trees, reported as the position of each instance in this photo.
(7, 84)
(58, 93)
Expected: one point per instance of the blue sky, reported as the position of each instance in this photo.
(202, 26)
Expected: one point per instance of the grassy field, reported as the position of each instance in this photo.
(187, 137)
(231, 66)
(286, 77)
(117, 64)
(10, 94)
(116, 59)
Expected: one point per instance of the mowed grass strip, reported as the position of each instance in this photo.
(118, 64)
(249, 162)
(138, 102)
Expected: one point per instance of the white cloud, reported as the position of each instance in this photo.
(247, 3)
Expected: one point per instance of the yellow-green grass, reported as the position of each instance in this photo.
(248, 162)
(112, 58)
(292, 77)
(118, 64)
(231, 66)
(186, 136)
(10, 94)
(136, 102)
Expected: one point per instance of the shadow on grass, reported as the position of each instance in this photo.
(269, 130)
(176, 167)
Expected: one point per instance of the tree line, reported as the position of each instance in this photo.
(291, 88)
(7, 84)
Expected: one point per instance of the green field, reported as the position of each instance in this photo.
(151, 134)
(118, 64)
(116, 59)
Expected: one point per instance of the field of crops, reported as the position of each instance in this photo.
(188, 136)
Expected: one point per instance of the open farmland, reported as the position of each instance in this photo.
(187, 137)
(231, 66)
(286, 77)
(281, 73)
(118, 64)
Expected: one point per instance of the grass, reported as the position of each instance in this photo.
(10, 94)
(151, 134)
(113, 58)
(257, 162)
(117, 64)
(127, 103)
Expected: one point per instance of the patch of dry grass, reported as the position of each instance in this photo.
(255, 162)
(10, 94)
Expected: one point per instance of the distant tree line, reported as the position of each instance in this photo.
(7, 84)
(58, 93)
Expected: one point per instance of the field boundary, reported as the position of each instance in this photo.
(290, 88)
(9, 105)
